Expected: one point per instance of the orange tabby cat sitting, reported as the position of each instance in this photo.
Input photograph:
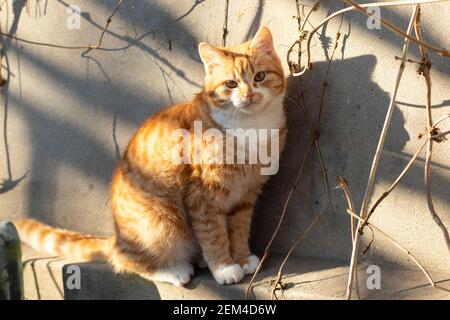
(169, 215)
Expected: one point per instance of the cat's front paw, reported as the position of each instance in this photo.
(178, 275)
(228, 274)
(249, 264)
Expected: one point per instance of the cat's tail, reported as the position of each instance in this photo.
(60, 242)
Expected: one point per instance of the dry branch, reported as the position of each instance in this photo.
(108, 22)
(424, 69)
(389, 190)
(441, 120)
(344, 185)
(435, 137)
(225, 24)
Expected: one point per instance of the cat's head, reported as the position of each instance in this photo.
(243, 78)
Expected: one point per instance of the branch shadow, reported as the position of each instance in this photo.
(153, 21)
(9, 183)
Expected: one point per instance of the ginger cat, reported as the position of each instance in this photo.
(170, 215)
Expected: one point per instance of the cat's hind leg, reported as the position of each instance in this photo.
(177, 270)
(153, 237)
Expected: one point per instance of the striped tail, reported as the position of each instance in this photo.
(60, 242)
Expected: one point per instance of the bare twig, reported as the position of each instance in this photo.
(389, 190)
(316, 134)
(108, 22)
(344, 185)
(302, 35)
(425, 71)
(404, 171)
(225, 24)
(441, 120)
(300, 27)
(373, 170)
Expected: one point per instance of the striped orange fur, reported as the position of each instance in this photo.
(169, 215)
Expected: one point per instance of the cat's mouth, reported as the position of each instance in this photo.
(248, 104)
(248, 108)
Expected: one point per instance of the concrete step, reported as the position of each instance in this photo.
(52, 278)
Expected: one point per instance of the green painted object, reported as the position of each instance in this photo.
(11, 276)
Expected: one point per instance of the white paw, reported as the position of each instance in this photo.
(178, 275)
(229, 274)
(251, 265)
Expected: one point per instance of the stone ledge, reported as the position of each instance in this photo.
(305, 279)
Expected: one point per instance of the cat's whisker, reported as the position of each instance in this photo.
(236, 109)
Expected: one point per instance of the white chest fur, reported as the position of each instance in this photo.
(271, 117)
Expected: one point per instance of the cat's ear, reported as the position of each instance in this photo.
(210, 56)
(263, 41)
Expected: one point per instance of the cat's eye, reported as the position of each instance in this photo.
(260, 76)
(231, 84)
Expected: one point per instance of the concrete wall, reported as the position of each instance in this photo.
(69, 116)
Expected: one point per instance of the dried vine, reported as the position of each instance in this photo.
(424, 69)
(225, 24)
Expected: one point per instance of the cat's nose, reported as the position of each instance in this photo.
(249, 95)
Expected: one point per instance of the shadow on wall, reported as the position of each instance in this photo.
(9, 182)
